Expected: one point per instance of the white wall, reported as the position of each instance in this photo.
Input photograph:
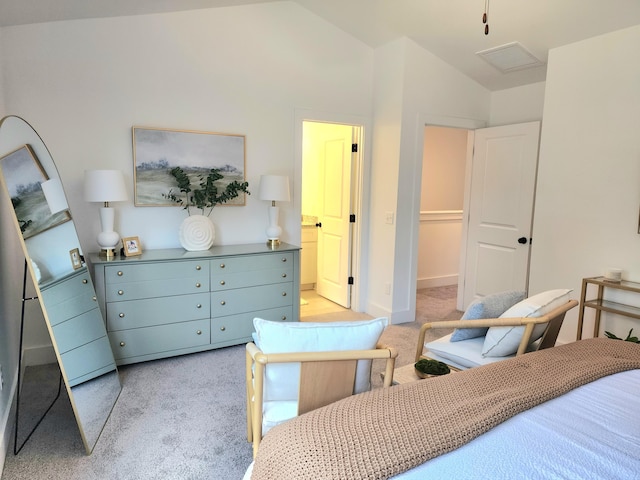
(586, 216)
(411, 84)
(517, 105)
(84, 84)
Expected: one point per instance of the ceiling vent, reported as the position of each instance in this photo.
(510, 57)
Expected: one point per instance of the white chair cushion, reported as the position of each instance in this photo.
(282, 380)
(489, 306)
(463, 354)
(504, 341)
(274, 413)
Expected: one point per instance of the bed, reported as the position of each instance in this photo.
(567, 412)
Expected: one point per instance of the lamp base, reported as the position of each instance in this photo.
(273, 243)
(108, 253)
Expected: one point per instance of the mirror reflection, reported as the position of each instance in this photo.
(61, 280)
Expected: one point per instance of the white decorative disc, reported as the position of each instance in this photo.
(197, 233)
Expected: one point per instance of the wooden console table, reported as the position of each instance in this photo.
(601, 305)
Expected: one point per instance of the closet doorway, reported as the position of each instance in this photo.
(330, 198)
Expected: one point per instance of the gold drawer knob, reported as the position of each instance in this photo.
(199, 305)
(85, 281)
(222, 265)
(222, 329)
(121, 315)
(223, 302)
(198, 267)
(120, 292)
(284, 275)
(284, 317)
(122, 344)
(284, 294)
(198, 285)
(222, 282)
(120, 273)
(199, 332)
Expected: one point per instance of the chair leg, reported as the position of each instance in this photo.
(249, 389)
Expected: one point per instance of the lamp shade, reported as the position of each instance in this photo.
(54, 194)
(104, 186)
(274, 188)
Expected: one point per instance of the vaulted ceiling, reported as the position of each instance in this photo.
(450, 29)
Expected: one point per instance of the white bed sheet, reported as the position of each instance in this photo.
(592, 432)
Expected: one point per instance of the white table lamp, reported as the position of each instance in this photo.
(54, 194)
(105, 186)
(274, 188)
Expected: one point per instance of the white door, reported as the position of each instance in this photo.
(502, 191)
(334, 198)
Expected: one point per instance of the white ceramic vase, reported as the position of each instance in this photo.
(197, 233)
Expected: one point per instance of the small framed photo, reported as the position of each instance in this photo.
(131, 246)
(76, 260)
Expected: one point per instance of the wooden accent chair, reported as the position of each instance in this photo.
(283, 385)
(511, 334)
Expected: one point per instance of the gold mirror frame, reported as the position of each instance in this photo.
(66, 295)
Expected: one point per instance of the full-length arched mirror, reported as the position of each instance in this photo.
(53, 255)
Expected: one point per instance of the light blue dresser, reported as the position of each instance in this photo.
(77, 327)
(171, 302)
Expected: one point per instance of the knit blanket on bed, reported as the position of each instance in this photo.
(387, 431)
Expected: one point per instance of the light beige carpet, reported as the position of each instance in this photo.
(181, 417)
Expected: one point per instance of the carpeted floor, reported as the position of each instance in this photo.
(179, 418)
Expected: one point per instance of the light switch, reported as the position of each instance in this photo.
(388, 218)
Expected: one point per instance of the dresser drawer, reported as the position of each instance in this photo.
(157, 311)
(160, 339)
(157, 271)
(88, 361)
(240, 327)
(69, 298)
(79, 330)
(156, 288)
(250, 299)
(228, 280)
(251, 263)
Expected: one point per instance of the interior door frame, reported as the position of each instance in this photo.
(449, 122)
(360, 194)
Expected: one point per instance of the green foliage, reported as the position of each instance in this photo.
(207, 194)
(431, 367)
(628, 339)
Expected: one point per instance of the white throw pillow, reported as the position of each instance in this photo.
(503, 341)
(282, 380)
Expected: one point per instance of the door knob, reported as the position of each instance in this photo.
(319, 225)
(522, 240)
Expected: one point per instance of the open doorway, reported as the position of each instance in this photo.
(329, 199)
(441, 216)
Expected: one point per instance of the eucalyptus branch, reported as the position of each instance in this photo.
(207, 195)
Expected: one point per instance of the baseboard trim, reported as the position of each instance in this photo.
(6, 424)
(442, 281)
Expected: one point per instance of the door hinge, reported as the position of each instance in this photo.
(350, 281)
(354, 148)
(352, 218)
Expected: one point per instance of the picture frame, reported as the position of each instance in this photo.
(131, 246)
(156, 151)
(76, 258)
(24, 175)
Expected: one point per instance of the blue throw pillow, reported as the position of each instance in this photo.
(490, 306)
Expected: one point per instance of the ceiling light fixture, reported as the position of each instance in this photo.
(485, 17)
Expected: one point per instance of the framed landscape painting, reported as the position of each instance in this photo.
(156, 152)
(23, 176)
